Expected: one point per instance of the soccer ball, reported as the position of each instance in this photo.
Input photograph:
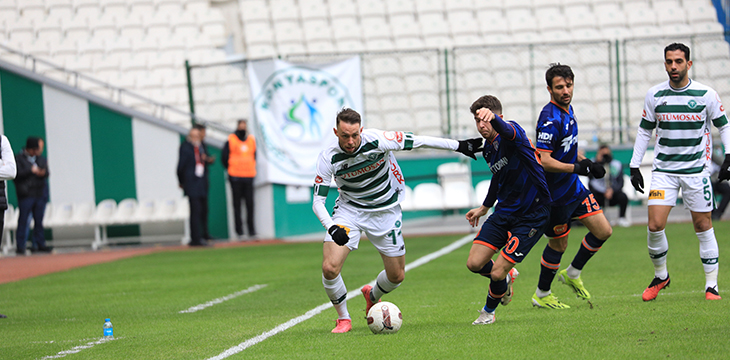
(384, 318)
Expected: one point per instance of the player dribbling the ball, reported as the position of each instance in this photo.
(371, 187)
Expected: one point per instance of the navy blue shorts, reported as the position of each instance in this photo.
(515, 235)
(560, 215)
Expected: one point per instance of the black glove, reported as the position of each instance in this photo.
(339, 234)
(725, 169)
(582, 167)
(470, 147)
(637, 180)
(597, 170)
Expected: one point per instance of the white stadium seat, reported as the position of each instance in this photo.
(418, 83)
(428, 196)
(641, 16)
(375, 28)
(429, 6)
(404, 25)
(342, 8)
(313, 9)
(521, 20)
(458, 195)
(389, 85)
(700, 12)
(371, 8)
(125, 212)
(433, 24)
(284, 10)
(399, 7)
(481, 190)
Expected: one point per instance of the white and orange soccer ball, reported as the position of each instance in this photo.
(384, 318)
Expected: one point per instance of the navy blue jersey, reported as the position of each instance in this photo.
(519, 179)
(557, 132)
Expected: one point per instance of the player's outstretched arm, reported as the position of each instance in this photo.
(470, 147)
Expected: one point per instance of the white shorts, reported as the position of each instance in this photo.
(383, 228)
(696, 191)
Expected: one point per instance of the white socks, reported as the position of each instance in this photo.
(658, 247)
(337, 292)
(382, 286)
(709, 254)
(541, 293)
(573, 273)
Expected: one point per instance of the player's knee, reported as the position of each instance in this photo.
(474, 265)
(703, 225)
(397, 278)
(498, 274)
(654, 226)
(330, 272)
(604, 234)
(559, 245)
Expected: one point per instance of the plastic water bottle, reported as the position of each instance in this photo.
(108, 329)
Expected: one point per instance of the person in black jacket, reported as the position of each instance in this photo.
(31, 186)
(611, 186)
(208, 160)
(192, 179)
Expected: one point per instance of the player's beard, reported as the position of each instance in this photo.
(563, 101)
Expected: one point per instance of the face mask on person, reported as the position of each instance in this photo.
(195, 143)
(607, 158)
(241, 134)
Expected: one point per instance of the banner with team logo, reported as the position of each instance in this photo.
(294, 107)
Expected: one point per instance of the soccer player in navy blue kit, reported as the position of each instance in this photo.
(557, 144)
(522, 211)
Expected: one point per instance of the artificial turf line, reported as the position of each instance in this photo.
(77, 349)
(222, 299)
(311, 313)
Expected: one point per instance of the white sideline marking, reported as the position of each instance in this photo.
(311, 313)
(78, 349)
(222, 299)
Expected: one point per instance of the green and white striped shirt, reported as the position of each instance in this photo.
(368, 179)
(682, 119)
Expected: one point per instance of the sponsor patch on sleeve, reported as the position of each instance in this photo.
(560, 229)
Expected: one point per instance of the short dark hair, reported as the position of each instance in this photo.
(348, 116)
(242, 121)
(604, 146)
(487, 101)
(677, 46)
(199, 126)
(32, 143)
(558, 69)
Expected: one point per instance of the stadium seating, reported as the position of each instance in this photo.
(8, 235)
(141, 46)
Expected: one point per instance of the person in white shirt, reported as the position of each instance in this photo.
(371, 187)
(683, 112)
(8, 169)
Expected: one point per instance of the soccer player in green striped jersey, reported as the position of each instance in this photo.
(683, 112)
(371, 187)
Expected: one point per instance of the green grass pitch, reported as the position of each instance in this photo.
(144, 295)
